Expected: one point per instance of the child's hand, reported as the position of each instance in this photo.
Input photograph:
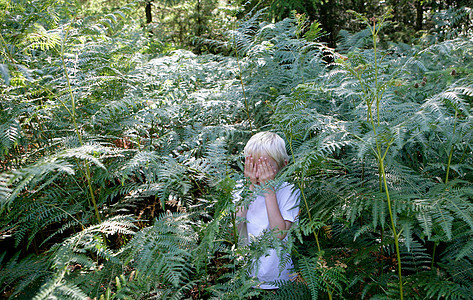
(265, 171)
(250, 170)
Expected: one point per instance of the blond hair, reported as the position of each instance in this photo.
(267, 143)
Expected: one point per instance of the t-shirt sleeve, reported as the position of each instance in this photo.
(288, 200)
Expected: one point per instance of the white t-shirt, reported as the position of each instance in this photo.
(257, 216)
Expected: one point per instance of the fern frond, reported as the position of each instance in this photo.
(353, 42)
(320, 277)
(161, 252)
(22, 273)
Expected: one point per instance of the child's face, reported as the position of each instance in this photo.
(260, 168)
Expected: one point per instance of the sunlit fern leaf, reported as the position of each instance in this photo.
(444, 205)
(40, 38)
(234, 287)
(216, 156)
(87, 153)
(160, 252)
(74, 251)
(5, 72)
(141, 162)
(114, 113)
(173, 179)
(58, 289)
(242, 35)
(5, 188)
(33, 176)
(40, 170)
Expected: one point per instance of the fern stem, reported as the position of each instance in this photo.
(308, 213)
(433, 256)
(381, 250)
(151, 132)
(235, 232)
(382, 172)
(301, 189)
(380, 178)
(79, 136)
(451, 148)
(73, 104)
(380, 156)
(396, 235)
(376, 69)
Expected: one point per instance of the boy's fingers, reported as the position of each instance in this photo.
(264, 169)
(265, 165)
(251, 169)
(267, 171)
(260, 164)
(248, 163)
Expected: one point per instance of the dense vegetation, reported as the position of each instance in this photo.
(120, 152)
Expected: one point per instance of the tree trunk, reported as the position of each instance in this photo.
(419, 15)
(199, 26)
(328, 22)
(310, 9)
(149, 17)
(199, 18)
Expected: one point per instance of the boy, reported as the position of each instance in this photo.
(276, 208)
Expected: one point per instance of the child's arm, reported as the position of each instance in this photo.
(265, 173)
(274, 214)
(241, 212)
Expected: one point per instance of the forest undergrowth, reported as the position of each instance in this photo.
(119, 162)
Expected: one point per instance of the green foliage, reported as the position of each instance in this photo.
(119, 165)
(368, 112)
(319, 276)
(160, 252)
(22, 274)
(82, 251)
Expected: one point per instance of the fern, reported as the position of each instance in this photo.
(291, 291)
(403, 125)
(21, 273)
(161, 251)
(320, 276)
(95, 119)
(72, 251)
